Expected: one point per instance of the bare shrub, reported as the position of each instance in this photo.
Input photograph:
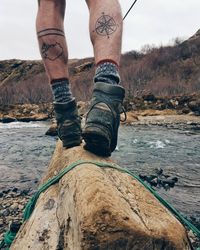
(163, 71)
(35, 90)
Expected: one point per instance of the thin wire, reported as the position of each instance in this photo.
(129, 9)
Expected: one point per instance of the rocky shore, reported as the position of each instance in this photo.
(183, 104)
(25, 112)
(147, 105)
(167, 118)
(12, 203)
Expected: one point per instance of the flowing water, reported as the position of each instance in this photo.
(25, 153)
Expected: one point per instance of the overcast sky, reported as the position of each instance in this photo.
(150, 22)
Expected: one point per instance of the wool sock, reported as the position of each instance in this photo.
(107, 71)
(61, 90)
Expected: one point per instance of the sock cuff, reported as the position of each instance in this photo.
(107, 72)
(54, 81)
(61, 90)
(107, 61)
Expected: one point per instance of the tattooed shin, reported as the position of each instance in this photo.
(105, 25)
(51, 50)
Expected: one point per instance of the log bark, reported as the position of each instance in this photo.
(94, 208)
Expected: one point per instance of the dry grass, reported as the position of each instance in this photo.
(163, 71)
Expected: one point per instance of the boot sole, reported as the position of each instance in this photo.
(96, 141)
(71, 141)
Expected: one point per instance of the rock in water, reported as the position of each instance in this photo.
(8, 119)
(52, 131)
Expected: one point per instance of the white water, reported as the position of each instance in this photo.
(20, 125)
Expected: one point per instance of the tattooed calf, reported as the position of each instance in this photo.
(50, 32)
(51, 51)
(105, 25)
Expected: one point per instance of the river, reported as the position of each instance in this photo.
(25, 153)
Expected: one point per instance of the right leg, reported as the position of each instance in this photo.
(102, 122)
(106, 27)
(53, 49)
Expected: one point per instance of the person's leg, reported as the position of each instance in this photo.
(106, 29)
(51, 38)
(53, 49)
(101, 129)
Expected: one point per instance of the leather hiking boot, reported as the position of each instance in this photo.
(69, 124)
(102, 122)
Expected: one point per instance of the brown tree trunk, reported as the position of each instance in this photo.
(97, 208)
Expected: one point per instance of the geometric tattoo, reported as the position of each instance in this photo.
(105, 25)
(51, 51)
(50, 31)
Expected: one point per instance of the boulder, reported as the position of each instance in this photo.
(149, 98)
(131, 117)
(8, 119)
(82, 107)
(94, 208)
(37, 117)
(194, 106)
(83, 67)
(52, 131)
(152, 112)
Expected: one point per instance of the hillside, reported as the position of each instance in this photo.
(164, 71)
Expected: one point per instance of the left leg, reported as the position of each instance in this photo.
(53, 48)
(51, 38)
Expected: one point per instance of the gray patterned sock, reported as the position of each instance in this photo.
(107, 72)
(61, 91)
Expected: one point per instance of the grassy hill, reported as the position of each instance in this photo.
(164, 71)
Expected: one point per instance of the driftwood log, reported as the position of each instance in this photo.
(97, 209)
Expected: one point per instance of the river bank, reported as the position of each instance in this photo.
(147, 105)
(150, 139)
(167, 118)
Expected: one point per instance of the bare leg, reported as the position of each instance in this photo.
(52, 43)
(53, 48)
(101, 129)
(106, 29)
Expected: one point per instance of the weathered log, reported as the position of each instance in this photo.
(97, 208)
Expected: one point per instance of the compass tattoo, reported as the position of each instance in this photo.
(105, 25)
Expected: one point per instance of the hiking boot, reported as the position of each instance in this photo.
(69, 123)
(102, 122)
